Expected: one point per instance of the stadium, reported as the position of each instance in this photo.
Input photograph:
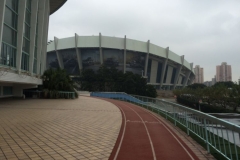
(163, 68)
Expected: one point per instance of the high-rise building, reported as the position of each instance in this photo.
(214, 80)
(23, 43)
(199, 77)
(223, 72)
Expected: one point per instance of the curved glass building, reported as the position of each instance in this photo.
(23, 43)
(163, 68)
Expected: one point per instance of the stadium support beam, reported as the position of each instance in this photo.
(125, 54)
(59, 56)
(41, 11)
(21, 22)
(164, 67)
(100, 48)
(147, 57)
(186, 78)
(34, 10)
(2, 11)
(191, 77)
(78, 52)
(179, 69)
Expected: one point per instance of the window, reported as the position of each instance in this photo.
(25, 62)
(7, 90)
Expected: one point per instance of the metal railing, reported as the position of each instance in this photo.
(218, 136)
(49, 94)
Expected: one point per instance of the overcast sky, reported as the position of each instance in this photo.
(207, 32)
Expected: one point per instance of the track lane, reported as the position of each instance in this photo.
(136, 143)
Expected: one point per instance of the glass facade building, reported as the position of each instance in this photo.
(162, 68)
(23, 42)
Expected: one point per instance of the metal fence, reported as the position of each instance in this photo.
(217, 135)
(49, 94)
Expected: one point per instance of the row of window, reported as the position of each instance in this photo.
(9, 38)
(135, 62)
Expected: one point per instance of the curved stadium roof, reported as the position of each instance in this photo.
(55, 5)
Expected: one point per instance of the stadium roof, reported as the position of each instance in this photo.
(55, 5)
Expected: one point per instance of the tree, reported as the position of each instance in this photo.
(57, 80)
(196, 85)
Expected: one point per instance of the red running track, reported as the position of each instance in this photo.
(143, 136)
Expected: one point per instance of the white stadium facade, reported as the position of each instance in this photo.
(23, 43)
(163, 68)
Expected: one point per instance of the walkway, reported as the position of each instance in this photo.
(86, 128)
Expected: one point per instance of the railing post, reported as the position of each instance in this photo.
(206, 134)
(174, 114)
(187, 124)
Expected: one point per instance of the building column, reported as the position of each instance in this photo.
(45, 36)
(147, 57)
(164, 67)
(125, 54)
(2, 12)
(179, 69)
(78, 52)
(34, 10)
(21, 21)
(100, 48)
(41, 11)
(59, 56)
(186, 78)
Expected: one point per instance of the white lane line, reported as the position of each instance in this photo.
(149, 137)
(169, 132)
(120, 143)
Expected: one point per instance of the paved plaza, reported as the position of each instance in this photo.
(85, 128)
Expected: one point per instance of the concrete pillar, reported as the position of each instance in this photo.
(45, 36)
(34, 12)
(21, 22)
(78, 52)
(164, 66)
(2, 12)
(100, 48)
(147, 57)
(179, 69)
(41, 11)
(186, 78)
(125, 54)
(59, 56)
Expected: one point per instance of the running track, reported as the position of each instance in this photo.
(143, 136)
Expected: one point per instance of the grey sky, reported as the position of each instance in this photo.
(207, 32)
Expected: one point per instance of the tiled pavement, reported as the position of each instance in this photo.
(85, 128)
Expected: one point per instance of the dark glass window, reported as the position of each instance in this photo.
(9, 36)
(10, 18)
(13, 4)
(7, 90)
(90, 58)
(26, 45)
(113, 58)
(52, 61)
(182, 80)
(149, 69)
(165, 75)
(173, 75)
(25, 62)
(70, 62)
(159, 72)
(8, 55)
(135, 62)
(27, 31)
